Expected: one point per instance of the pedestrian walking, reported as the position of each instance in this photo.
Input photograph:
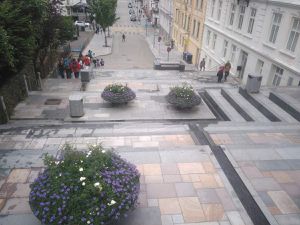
(60, 67)
(98, 63)
(123, 37)
(102, 62)
(227, 70)
(202, 64)
(220, 74)
(75, 66)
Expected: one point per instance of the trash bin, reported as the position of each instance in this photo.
(184, 55)
(76, 105)
(253, 83)
(189, 58)
(85, 75)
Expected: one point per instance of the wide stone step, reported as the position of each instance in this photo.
(222, 105)
(264, 104)
(287, 103)
(248, 111)
(229, 127)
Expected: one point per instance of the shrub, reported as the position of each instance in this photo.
(118, 93)
(183, 97)
(93, 188)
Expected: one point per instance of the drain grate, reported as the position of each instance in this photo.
(53, 101)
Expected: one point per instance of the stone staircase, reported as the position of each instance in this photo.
(237, 105)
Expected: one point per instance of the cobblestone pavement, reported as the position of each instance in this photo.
(181, 181)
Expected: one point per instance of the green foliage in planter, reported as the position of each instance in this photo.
(183, 97)
(116, 88)
(93, 188)
(118, 93)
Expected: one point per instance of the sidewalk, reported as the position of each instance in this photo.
(159, 49)
(97, 45)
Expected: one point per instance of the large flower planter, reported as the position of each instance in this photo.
(118, 98)
(93, 188)
(183, 102)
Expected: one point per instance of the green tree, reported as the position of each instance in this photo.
(105, 13)
(17, 40)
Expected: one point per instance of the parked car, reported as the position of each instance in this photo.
(81, 23)
(132, 17)
(129, 5)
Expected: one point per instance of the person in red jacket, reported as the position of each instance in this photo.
(75, 66)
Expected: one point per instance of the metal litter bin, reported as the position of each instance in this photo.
(85, 75)
(253, 83)
(76, 105)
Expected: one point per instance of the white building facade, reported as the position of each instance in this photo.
(166, 18)
(259, 37)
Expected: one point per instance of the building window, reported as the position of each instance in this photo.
(214, 41)
(233, 53)
(241, 17)
(290, 81)
(232, 14)
(251, 21)
(194, 27)
(259, 67)
(188, 23)
(220, 9)
(185, 21)
(294, 35)
(225, 47)
(213, 2)
(199, 4)
(275, 27)
(198, 28)
(208, 37)
(277, 76)
(182, 19)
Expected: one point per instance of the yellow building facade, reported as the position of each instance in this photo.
(188, 25)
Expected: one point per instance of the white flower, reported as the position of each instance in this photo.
(56, 162)
(83, 183)
(80, 169)
(103, 151)
(96, 184)
(82, 178)
(88, 222)
(81, 161)
(60, 174)
(112, 203)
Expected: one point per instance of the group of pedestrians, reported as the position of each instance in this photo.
(68, 66)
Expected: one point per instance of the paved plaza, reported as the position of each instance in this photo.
(232, 160)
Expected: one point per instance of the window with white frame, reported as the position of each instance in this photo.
(198, 28)
(241, 16)
(225, 47)
(199, 4)
(213, 2)
(214, 41)
(188, 23)
(294, 35)
(208, 37)
(232, 14)
(251, 20)
(275, 27)
(194, 27)
(277, 75)
(259, 66)
(220, 9)
(185, 21)
(233, 53)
